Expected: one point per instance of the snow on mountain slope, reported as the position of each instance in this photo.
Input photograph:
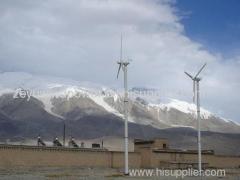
(176, 125)
(96, 95)
(184, 107)
(74, 92)
(100, 101)
(46, 99)
(44, 88)
(167, 113)
(169, 104)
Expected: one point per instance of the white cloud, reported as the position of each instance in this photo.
(80, 39)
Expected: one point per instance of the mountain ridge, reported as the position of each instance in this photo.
(24, 123)
(64, 98)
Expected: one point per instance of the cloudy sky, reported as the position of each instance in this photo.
(80, 39)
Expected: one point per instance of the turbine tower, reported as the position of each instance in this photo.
(123, 65)
(196, 81)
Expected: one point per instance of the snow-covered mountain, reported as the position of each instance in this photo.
(68, 99)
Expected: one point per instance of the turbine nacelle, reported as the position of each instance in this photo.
(197, 79)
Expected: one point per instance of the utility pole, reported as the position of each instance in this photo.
(126, 115)
(196, 81)
(199, 127)
(123, 64)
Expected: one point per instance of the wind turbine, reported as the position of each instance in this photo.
(123, 65)
(196, 81)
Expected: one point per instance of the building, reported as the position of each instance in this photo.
(147, 154)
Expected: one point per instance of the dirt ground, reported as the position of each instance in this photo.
(78, 173)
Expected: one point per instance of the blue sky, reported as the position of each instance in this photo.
(214, 23)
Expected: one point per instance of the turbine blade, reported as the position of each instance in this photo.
(120, 65)
(188, 75)
(200, 70)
